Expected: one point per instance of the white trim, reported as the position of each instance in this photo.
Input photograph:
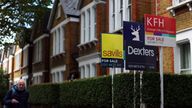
(90, 5)
(184, 30)
(16, 79)
(37, 74)
(182, 36)
(89, 59)
(10, 57)
(70, 19)
(178, 4)
(26, 46)
(60, 68)
(118, 14)
(41, 37)
(5, 60)
(92, 41)
(18, 52)
(24, 77)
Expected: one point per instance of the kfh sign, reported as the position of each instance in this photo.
(138, 56)
(160, 31)
(112, 50)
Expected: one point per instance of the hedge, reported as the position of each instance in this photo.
(90, 93)
(124, 90)
(96, 92)
(44, 94)
(178, 91)
(151, 89)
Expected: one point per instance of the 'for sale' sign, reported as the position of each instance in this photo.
(160, 31)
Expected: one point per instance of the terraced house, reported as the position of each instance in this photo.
(181, 11)
(67, 43)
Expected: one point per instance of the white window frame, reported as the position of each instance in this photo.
(10, 64)
(118, 12)
(37, 78)
(62, 40)
(25, 55)
(88, 23)
(17, 60)
(37, 51)
(57, 74)
(58, 40)
(88, 61)
(5, 65)
(177, 2)
(186, 57)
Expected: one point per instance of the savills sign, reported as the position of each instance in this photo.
(112, 50)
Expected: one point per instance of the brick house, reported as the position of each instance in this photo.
(93, 22)
(39, 50)
(64, 37)
(181, 11)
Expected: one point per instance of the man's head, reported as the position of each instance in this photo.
(21, 85)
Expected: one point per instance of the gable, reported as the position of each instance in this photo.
(61, 10)
(59, 15)
(83, 3)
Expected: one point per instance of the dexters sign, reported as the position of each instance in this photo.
(138, 56)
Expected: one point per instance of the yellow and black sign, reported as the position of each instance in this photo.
(112, 50)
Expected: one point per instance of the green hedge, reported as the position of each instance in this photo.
(178, 91)
(151, 89)
(95, 92)
(45, 94)
(124, 90)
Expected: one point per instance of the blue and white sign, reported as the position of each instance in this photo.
(137, 55)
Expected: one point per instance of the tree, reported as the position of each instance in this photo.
(3, 84)
(17, 15)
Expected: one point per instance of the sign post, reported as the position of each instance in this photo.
(160, 31)
(138, 56)
(112, 54)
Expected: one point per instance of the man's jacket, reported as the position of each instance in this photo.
(21, 96)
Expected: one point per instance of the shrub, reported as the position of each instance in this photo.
(94, 92)
(44, 94)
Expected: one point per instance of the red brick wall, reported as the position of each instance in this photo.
(72, 36)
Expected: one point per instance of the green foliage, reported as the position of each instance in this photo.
(123, 90)
(96, 92)
(44, 94)
(17, 15)
(151, 89)
(89, 93)
(178, 91)
(3, 84)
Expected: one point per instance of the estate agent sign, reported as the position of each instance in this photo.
(160, 31)
(138, 56)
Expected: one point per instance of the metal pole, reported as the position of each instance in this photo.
(141, 82)
(134, 90)
(112, 92)
(161, 76)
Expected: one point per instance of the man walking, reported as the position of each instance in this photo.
(17, 96)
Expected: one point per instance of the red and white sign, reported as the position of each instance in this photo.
(160, 31)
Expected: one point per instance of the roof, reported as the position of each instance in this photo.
(70, 7)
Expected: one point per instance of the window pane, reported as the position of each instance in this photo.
(185, 57)
(95, 22)
(94, 70)
(89, 24)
